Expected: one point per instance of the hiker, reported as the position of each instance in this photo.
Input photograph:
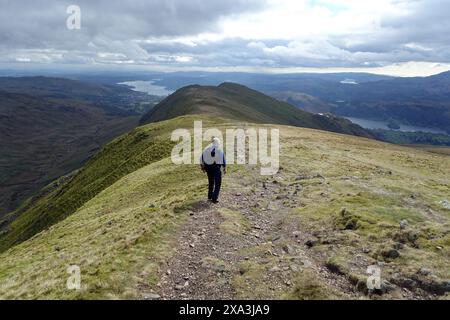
(211, 162)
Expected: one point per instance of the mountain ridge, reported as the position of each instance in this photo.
(311, 230)
(51, 126)
(235, 101)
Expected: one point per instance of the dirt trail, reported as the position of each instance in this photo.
(208, 257)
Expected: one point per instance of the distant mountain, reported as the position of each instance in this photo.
(259, 81)
(114, 99)
(303, 101)
(50, 126)
(234, 101)
(420, 101)
(416, 101)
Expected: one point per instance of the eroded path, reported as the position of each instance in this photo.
(247, 246)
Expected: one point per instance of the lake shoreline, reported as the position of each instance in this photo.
(379, 124)
(147, 86)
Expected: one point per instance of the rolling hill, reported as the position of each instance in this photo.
(420, 101)
(138, 226)
(234, 101)
(227, 101)
(51, 126)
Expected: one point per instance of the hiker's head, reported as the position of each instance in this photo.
(215, 142)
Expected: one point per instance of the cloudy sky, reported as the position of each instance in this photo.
(401, 37)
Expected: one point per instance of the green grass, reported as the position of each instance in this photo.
(378, 185)
(127, 153)
(126, 206)
(307, 286)
(122, 231)
(237, 102)
(234, 222)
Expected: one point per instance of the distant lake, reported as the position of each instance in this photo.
(148, 87)
(378, 124)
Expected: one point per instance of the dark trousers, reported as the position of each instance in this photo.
(214, 181)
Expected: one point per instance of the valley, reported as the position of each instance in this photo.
(226, 159)
(50, 127)
(138, 226)
(308, 232)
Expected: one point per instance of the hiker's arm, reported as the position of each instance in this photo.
(224, 164)
(202, 164)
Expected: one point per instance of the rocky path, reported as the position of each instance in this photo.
(213, 249)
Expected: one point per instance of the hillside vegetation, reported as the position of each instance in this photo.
(419, 101)
(119, 158)
(309, 232)
(51, 126)
(234, 101)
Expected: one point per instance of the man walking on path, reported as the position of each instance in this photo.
(211, 162)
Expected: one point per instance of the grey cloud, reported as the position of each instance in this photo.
(41, 23)
(119, 32)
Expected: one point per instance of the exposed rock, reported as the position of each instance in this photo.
(310, 243)
(386, 287)
(361, 286)
(390, 254)
(416, 281)
(307, 264)
(152, 296)
(276, 237)
(347, 220)
(288, 249)
(445, 203)
(424, 271)
(350, 225)
(294, 267)
(218, 267)
(403, 224)
(274, 269)
(407, 237)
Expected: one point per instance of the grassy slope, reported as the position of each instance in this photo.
(51, 126)
(234, 101)
(124, 155)
(123, 232)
